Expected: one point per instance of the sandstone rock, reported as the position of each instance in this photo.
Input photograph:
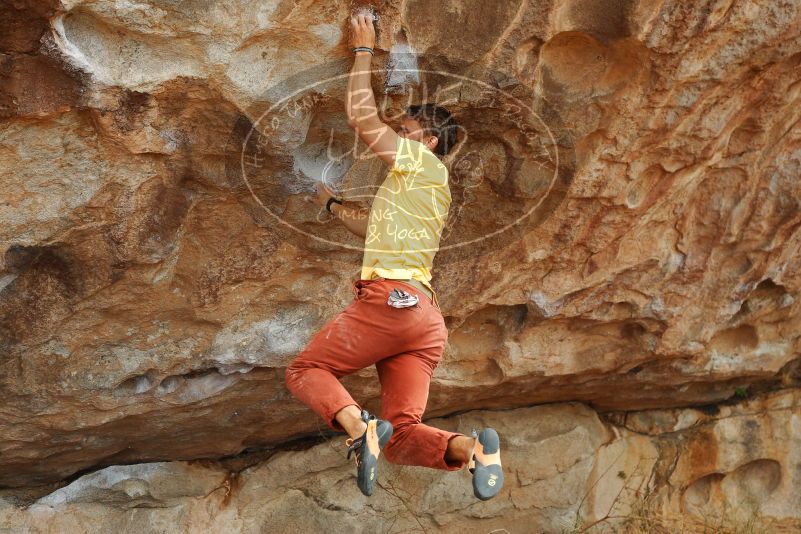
(566, 469)
(149, 303)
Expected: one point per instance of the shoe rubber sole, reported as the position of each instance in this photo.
(486, 465)
(376, 437)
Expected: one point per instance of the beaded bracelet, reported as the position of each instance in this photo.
(363, 49)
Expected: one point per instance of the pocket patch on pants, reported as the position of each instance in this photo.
(399, 298)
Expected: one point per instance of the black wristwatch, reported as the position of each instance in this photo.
(328, 204)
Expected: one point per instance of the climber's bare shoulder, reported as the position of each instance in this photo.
(377, 135)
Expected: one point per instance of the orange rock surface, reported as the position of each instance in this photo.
(625, 231)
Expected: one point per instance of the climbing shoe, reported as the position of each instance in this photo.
(367, 447)
(485, 464)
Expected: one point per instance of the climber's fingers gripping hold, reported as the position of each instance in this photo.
(362, 30)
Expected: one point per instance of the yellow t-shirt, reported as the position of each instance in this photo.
(408, 214)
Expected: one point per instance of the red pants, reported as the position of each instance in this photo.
(405, 344)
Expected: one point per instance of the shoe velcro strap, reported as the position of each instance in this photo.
(355, 444)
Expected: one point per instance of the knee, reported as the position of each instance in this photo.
(297, 369)
(293, 373)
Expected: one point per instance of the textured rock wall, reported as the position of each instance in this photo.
(569, 470)
(149, 303)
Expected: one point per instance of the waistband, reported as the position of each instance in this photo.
(432, 296)
(419, 285)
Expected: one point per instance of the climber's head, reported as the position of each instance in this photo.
(430, 124)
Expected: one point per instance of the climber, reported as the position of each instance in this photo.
(394, 320)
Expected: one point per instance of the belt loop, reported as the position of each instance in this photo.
(436, 302)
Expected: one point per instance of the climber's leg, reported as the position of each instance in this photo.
(405, 379)
(313, 377)
(362, 334)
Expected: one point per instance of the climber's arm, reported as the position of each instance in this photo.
(353, 216)
(360, 101)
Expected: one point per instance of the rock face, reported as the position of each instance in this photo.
(624, 232)
(570, 470)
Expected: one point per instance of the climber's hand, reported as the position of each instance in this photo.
(362, 31)
(322, 195)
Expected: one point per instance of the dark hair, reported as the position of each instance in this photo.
(436, 121)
